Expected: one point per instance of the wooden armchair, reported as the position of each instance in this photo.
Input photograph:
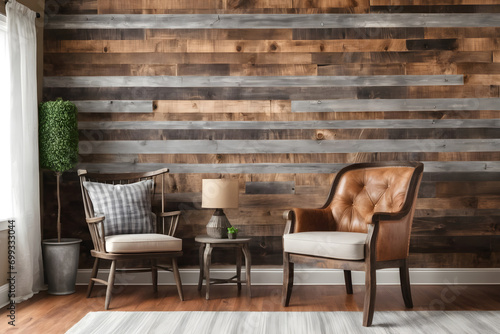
(123, 227)
(365, 225)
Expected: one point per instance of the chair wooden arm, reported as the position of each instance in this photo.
(169, 221)
(96, 228)
(289, 217)
(392, 235)
(94, 220)
(170, 213)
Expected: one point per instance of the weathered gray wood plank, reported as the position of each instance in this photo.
(396, 105)
(287, 146)
(252, 81)
(284, 187)
(461, 167)
(121, 106)
(251, 125)
(269, 21)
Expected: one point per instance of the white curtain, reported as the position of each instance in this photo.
(24, 150)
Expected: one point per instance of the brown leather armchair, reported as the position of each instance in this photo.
(365, 225)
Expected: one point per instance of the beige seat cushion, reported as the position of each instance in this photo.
(142, 243)
(338, 245)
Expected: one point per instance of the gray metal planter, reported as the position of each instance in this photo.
(61, 264)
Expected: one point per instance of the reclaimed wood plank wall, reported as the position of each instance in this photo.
(280, 94)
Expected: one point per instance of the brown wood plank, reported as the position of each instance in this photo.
(208, 106)
(432, 8)
(480, 44)
(363, 69)
(456, 226)
(180, 58)
(114, 46)
(203, 69)
(273, 70)
(427, 2)
(346, 45)
(468, 91)
(246, 70)
(452, 189)
(475, 68)
(71, 7)
(431, 69)
(246, 4)
(358, 33)
(477, 79)
(115, 6)
(433, 44)
(463, 202)
(496, 56)
(402, 57)
(94, 34)
(220, 34)
(484, 32)
(454, 260)
(361, 6)
(108, 69)
(455, 244)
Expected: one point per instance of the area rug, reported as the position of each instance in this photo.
(431, 322)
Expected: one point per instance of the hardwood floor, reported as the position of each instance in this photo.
(56, 314)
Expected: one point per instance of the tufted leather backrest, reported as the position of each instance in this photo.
(362, 192)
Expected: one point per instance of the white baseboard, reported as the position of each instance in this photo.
(4, 295)
(307, 276)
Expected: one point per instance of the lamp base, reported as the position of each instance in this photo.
(218, 224)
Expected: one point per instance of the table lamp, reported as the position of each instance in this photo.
(219, 194)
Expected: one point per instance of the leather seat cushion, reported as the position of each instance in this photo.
(142, 243)
(338, 245)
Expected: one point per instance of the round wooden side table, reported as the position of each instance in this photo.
(207, 244)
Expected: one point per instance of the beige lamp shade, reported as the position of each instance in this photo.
(219, 193)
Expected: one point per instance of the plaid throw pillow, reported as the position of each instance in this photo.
(127, 207)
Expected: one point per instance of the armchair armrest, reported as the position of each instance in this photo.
(94, 220)
(392, 236)
(169, 221)
(96, 228)
(169, 214)
(304, 220)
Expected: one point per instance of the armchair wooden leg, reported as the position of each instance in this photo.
(370, 293)
(404, 276)
(287, 280)
(95, 269)
(111, 282)
(154, 275)
(177, 277)
(348, 281)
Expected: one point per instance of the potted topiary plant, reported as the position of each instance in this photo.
(232, 232)
(58, 149)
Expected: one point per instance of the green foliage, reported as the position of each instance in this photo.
(58, 135)
(232, 230)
